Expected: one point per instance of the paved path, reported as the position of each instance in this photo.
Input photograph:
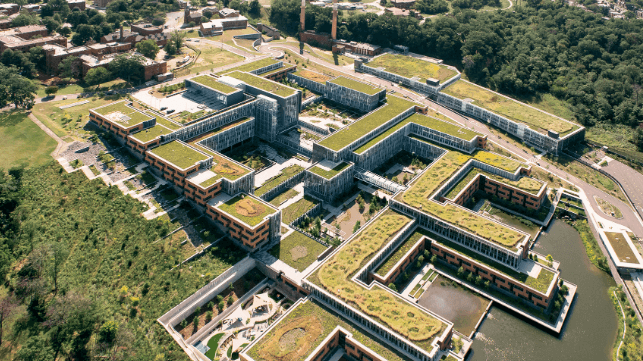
(61, 143)
(631, 181)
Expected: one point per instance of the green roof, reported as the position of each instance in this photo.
(397, 255)
(284, 67)
(212, 82)
(247, 209)
(134, 117)
(363, 126)
(356, 85)
(222, 166)
(328, 174)
(264, 84)
(261, 63)
(281, 177)
(423, 120)
(148, 134)
(408, 67)
(297, 250)
(382, 305)
(526, 184)
(314, 323)
(509, 108)
(314, 76)
(179, 154)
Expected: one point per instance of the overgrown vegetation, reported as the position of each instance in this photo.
(591, 245)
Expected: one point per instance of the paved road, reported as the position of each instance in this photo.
(631, 180)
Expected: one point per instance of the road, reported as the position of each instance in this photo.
(631, 181)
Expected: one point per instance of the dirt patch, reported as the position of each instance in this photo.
(293, 340)
(249, 208)
(225, 168)
(288, 340)
(298, 252)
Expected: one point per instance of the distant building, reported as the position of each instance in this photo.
(342, 46)
(9, 8)
(217, 26)
(228, 13)
(146, 29)
(32, 8)
(27, 37)
(132, 38)
(102, 3)
(403, 4)
(192, 16)
(79, 4)
(402, 12)
(269, 31)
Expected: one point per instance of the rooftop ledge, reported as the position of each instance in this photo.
(179, 154)
(244, 207)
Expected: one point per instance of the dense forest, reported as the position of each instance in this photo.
(84, 275)
(594, 65)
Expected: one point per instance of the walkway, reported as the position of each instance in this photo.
(61, 143)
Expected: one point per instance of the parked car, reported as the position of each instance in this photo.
(163, 108)
(170, 111)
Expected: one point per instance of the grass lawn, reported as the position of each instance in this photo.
(409, 67)
(211, 82)
(387, 308)
(284, 175)
(247, 209)
(64, 122)
(356, 85)
(178, 154)
(291, 193)
(297, 250)
(328, 174)
(621, 247)
(263, 84)
(509, 108)
(212, 57)
(23, 142)
(246, 44)
(213, 344)
(298, 208)
(229, 34)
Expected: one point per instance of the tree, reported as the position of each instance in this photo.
(392, 286)
(50, 90)
(8, 306)
(460, 271)
(356, 227)
(434, 258)
(38, 348)
(68, 67)
(24, 19)
(176, 38)
(638, 139)
(97, 76)
(16, 89)
(51, 24)
(64, 31)
(128, 67)
(148, 48)
(170, 49)
(107, 332)
(255, 8)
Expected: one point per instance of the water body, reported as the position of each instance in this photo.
(590, 330)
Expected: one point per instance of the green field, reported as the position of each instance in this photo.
(23, 142)
(212, 58)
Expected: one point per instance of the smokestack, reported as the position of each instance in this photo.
(302, 17)
(122, 33)
(333, 32)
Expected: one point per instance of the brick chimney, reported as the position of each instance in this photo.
(122, 33)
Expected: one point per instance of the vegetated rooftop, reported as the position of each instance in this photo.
(368, 123)
(264, 84)
(261, 63)
(281, 177)
(621, 247)
(148, 134)
(212, 82)
(297, 250)
(509, 108)
(384, 306)
(356, 85)
(284, 67)
(130, 116)
(419, 192)
(540, 284)
(397, 255)
(426, 121)
(247, 209)
(408, 67)
(526, 184)
(311, 323)
(179, 154)
(328, 174)
(314, 76)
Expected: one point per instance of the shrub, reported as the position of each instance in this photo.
(434, 258)
(208, 316)
(107, 332)
(392, 286)
(221, 305)
(460, 271)
(135, 301)
(230, 301)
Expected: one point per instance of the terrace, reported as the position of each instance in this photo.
(179, 154)
(526, 184)
(335, 276)
(283, 175)
(409, 67)
(509, 108)
(419, 193)
(284, 67)
(368, 123)
(397, 255)
(304, 328)
(356, 85)
(148, 134)
(311, 75)
(248, 67)
(425, 121)
(328, 172)
(297, 250)
(122, 114)
(212, 83)
(264, 84)
(247, 209)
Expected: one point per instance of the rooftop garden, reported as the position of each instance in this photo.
(409, 67)
(148, 134)
(429, 122)
(417, 195)
(264, 84)
(541, 283)
(248, 67)
(227, 168)
(297, 250)
(284, 67)
(132, 116)
(524, 183)
(304, 329)
(509, 108)
(389, 309)
(622, 249)
(297, 209)
(328, 174)
(356, 85)
(283, 175)
(179, 154)
(247, 209)
(212, 82)
(368, 123)
(397, 255)
(314, 76)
